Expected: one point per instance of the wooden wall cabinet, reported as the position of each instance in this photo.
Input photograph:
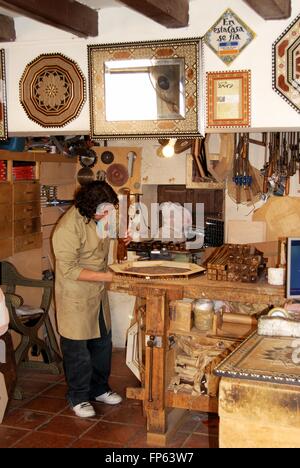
(6, 217)
(20, 208)
(27, 223)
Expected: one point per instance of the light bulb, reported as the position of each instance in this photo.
(168, 151)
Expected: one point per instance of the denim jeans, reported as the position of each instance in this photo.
(87, 365)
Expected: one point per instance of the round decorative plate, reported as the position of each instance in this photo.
(117, 174)
(52, 90)
(107, 157)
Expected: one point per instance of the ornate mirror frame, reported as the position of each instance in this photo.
(3, 104)
(189, 125)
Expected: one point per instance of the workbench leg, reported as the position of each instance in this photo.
(156, 341)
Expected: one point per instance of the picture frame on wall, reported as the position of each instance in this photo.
(149, 89)
(3, 103)
(228, 99)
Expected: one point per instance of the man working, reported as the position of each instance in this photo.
(82, 306)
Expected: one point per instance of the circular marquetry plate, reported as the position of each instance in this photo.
(156, 268)
(52, 90)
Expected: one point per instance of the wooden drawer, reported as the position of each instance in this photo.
(27, 226)
(6, 248)
(5, 192)
(6, 221)
(26, 191)
(28, 242)
(26, 210)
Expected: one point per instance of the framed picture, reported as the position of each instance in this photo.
(228, 99)
(3, 108)
(146, 89)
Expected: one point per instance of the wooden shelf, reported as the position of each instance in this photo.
(35, 157)
(193, 332)
(186, 400)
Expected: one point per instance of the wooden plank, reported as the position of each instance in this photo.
(135, 393)
(196, 403)
(7, 29)
(68, 15)
(271, 9)
(169, 13)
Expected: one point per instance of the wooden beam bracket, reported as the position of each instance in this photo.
(271, 9)
(169, 13)
(68, 15)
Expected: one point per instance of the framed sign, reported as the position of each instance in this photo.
(229, 36)
(3, 114)
(286, 64)
(146, 89)
(228, 99)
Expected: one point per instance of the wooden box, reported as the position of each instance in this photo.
(180, 316)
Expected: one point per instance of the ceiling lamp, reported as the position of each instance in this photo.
(168, 150)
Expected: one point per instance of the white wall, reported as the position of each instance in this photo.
(121, 25)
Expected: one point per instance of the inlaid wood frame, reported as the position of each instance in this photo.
(228, 99)
(187, 53)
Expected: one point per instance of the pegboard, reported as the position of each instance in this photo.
(120, 156)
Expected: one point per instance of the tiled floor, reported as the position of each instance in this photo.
(43, 418)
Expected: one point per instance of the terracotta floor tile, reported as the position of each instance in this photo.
(9, 436)
(44, 419)
(140, 440)
(32, 387)
(58, 391)
(25, 419)
(45, 440)
(190, 422)
(209, 425)
(89, 443)
(126, 415)
(201, 441)
(112, 432)
(64, 425)
(47, 405)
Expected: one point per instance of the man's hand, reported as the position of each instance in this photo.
(127, 239)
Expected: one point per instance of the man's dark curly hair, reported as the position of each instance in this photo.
(92, 194)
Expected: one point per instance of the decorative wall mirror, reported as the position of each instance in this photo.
(146, 89)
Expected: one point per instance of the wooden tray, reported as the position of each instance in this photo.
(156, 268)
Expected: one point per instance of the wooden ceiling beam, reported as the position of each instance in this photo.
(271, 9)
(68, 15)
(169, 13)
(7, 29)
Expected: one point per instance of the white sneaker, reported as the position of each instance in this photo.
(84, 410)
(110, 398)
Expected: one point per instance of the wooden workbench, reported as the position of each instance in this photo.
(157, 400)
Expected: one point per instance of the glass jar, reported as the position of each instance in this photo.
(203, 310)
